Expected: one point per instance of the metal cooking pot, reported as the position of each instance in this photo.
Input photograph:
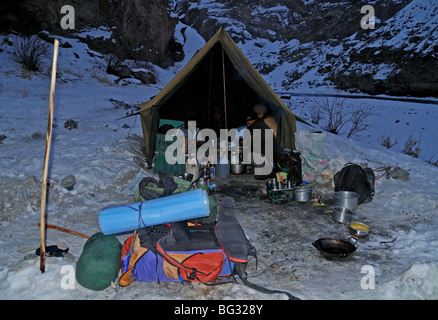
(303, 194)
(346, 199)
(335, 248)
(342, 215)
(185, 176)
(238, 168)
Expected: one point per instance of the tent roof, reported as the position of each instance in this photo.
(239, 62)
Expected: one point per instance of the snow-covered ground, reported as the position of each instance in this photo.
(100, 153)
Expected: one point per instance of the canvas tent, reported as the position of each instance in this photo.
(218, 76)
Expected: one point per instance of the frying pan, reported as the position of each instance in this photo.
(335, 248)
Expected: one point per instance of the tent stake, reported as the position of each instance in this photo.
(46, 161)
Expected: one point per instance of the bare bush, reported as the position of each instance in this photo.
(332, 110)
(387, 142)
(111, 63)
(432, 162)
(412, 146)
(357, 119)
(29, 52)
(337, 117)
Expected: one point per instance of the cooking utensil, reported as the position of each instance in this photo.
(342, 215)
(238, 168)
(359, 230)
(185, 176)
(335, 248)
(346, 199)
(302, 194)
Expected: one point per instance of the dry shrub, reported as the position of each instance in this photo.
(432, 162)
(111, 63)
(412, 146)
(387, 142)
(29, 51)
(336, 116)
(103, 79)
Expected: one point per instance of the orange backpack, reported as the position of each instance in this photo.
(198, 250)
(182, 252)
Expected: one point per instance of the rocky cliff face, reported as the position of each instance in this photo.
(398, 57)
(283, 20)
(141, 29)
(144, 31)
(32, 16)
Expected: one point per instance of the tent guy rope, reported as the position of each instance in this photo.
(66, 230)
(46, 161)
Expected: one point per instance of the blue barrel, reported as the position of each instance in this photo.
(179, 207)
(222, 169)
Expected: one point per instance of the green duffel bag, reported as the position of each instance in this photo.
(99, 263)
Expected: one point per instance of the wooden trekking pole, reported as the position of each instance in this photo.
(46, 161)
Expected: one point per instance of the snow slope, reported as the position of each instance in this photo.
(101, 151)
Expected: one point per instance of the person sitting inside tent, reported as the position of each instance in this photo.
(262, 113)
(253, 122)
(216, 123)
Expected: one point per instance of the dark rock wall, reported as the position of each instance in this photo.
(144, 30)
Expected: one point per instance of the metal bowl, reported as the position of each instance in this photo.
(238, 168)
(342, 214)
(185, 176)
(359, 230)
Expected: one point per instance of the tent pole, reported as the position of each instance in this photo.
(209, 90)
(225, 92)
(46, 161)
